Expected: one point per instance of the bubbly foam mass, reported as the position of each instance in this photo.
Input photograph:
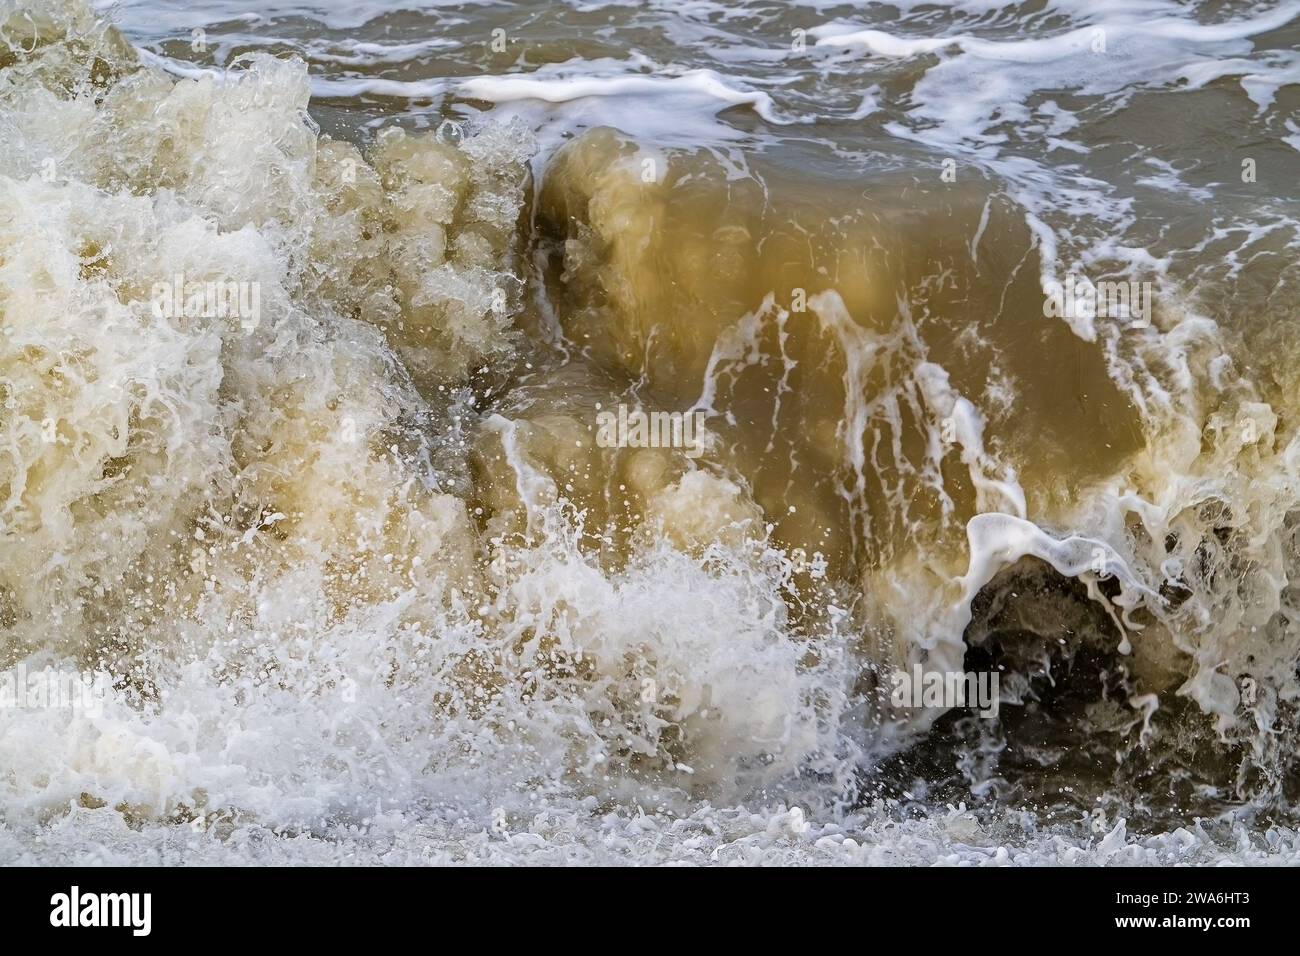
(263, 532)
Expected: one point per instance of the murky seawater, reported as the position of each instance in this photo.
(970, 329)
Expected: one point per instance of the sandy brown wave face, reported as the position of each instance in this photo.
(828, 331)
(378, 517)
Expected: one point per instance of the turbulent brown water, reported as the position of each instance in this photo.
(364, 580)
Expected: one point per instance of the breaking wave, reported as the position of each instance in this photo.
(355, 565)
